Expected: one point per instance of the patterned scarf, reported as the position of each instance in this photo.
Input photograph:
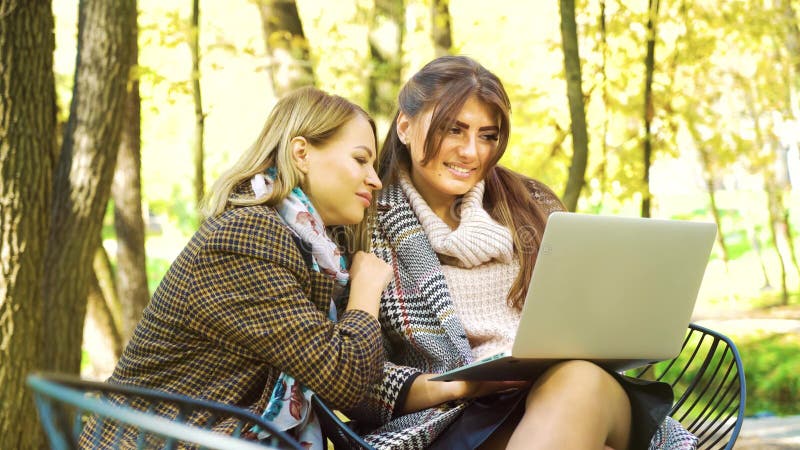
(303, 219)
(289, 406)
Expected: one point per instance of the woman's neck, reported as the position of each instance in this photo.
(442, 205)
(448, 216)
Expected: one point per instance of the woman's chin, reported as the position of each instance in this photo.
(354, 218)
(458, 187)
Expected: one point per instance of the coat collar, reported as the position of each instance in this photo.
(418, 264)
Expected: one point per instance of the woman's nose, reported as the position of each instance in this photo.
(373, 180)
(468, 148)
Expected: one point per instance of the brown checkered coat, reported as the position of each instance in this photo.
(238, 306)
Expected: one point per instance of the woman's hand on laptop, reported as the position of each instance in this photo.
(475, 389)
(425, 394)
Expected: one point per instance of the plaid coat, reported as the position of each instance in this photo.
(422, 333)
(239, 305)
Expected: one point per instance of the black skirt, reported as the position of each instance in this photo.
(650, 404)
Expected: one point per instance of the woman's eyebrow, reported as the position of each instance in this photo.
(486, 128)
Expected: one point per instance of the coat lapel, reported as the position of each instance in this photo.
(422, 300)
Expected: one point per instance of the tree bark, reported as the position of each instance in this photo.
(126, 189)
(649, 69)
(84, 172)
(27, 149)
(440, 27)
(580, 138)
(386, 58)
(199, 116)
(105, 346)
(290, 65)
(111, 311)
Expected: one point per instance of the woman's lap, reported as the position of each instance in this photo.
(650, 404)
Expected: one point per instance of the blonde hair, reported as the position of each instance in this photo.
(306, 112)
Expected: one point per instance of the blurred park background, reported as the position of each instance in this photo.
(660, 108)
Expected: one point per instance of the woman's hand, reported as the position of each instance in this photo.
(475, 389)
(369, 275)
(426, 394)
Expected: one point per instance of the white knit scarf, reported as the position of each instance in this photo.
(477, 239)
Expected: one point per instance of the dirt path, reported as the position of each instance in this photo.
(770, 433)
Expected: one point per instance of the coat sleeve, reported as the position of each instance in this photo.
(247, 296)
(379, 404)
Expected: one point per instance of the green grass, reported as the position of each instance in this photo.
(772, 369)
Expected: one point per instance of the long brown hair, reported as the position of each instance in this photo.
(443, 86)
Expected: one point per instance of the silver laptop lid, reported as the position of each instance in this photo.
(613, 287)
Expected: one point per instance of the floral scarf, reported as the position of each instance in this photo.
(289, 406)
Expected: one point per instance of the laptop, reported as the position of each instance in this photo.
(618, 291)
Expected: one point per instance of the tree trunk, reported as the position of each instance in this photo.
(792, 40)
(386, 55)
(126, 189)
(774, 206)
(100, 335)
(199, 115)
(756, 241)
(712, 197)
(604, 144)
(290, 65)
(440, 27)
(792, 34)
(84, 172)
(708, 177)
(110, 313)
(580, 138)
(787, 231)
(649, 69)
(27, 148)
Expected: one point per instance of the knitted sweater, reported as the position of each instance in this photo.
(478, 266)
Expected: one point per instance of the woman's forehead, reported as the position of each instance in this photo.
(472, 109)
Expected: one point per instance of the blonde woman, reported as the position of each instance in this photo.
(247, 311)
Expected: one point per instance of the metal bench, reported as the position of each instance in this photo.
(707, 378)
(76, 413)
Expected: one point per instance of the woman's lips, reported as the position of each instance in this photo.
(459, 172)
(366, 197)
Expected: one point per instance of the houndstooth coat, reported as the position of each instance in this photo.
(422, 333)
(239, 305)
